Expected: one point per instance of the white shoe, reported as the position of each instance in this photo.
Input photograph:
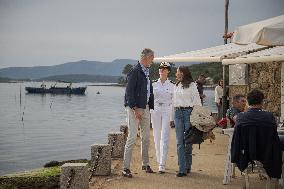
(162, 168)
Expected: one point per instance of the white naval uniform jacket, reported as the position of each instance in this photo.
(163, 95)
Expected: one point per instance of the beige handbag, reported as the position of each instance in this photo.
(202, 119)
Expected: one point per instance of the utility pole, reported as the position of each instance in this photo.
(226, 20)
(225, 68)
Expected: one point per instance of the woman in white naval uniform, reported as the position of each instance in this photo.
(162, 114)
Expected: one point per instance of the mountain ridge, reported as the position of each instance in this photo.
(113, 68)
(77, 78)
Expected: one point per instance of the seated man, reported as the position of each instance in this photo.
(255, 138)
(239, 105)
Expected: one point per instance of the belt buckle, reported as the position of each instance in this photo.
(181, 108)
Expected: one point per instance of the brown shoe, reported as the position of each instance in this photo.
(127, 173)
(147, 169)
(181, 175)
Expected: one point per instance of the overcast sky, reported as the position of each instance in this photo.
(50, 32)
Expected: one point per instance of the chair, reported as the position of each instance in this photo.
(257, 168)
(257, 149)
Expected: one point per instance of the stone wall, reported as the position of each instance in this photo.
(267, 78)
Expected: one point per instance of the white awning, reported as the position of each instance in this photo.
(273, 54)
(213, 54)
(268, 32)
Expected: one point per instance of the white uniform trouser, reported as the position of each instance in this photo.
(160, 118)
(133, 124)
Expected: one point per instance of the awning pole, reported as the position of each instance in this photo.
(226, 21)
(225, 67)
(225, 102)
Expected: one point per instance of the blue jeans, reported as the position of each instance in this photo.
(184, 152)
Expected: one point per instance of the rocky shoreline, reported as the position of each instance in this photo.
(47, 177)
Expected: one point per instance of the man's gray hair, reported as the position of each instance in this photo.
(237, 97)
(146, 53)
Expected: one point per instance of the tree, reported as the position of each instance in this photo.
(154, 71)
(127, 69)
(121, 81)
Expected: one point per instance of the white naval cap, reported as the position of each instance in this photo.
(165, 65)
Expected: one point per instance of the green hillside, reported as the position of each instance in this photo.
(77, 78)
(4, 79)
(9, 80)
(213, 70)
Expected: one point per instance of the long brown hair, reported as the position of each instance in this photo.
(187, 77)
(219, 83)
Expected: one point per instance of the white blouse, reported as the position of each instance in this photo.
(185, 97)
(218, 93)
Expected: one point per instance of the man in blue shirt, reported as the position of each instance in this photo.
(239, 105)
(138, 100)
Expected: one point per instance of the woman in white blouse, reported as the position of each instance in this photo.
(185, 97)
(218, 97)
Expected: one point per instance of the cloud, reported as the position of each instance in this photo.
(36, 32)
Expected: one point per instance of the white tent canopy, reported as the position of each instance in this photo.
(213, 54)
(268, 32)
(247, 39)
(274, 54)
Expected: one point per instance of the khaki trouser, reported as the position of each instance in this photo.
(133, 124)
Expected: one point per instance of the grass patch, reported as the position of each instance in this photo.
(41, 172)
(42, 178)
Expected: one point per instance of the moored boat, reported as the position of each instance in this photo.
(57, 90)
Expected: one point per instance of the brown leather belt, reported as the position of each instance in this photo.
(182, 108)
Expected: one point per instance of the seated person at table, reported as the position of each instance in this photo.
(255, 138)
(239, 105)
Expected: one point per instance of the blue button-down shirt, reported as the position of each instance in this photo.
(146, 72)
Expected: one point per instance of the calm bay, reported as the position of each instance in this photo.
(35, 128)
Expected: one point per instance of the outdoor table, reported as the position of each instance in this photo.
(228, 172)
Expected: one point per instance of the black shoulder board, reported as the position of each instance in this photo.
(154, 80)
(172, 82)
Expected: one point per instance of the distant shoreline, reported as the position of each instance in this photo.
(108, 85)
(13, 81)
(105, 84)
(121, 85)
